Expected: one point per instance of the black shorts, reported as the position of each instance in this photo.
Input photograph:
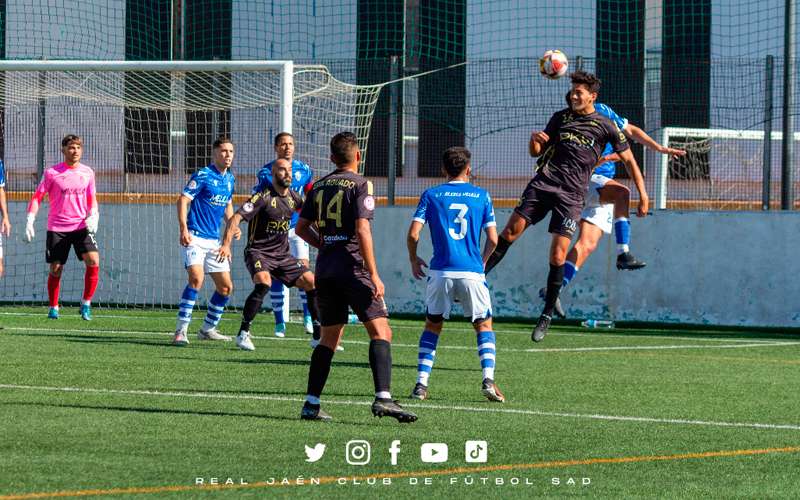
(535, 203)
(58, 245)
(287, 270)
(335, 295)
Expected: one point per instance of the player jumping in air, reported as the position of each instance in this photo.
(71, 222)
(301, 184)
(607, 201)
(205, 200)
(5, 223)
(267, 253)
(573, 141)
(336, 219)
(456, 212)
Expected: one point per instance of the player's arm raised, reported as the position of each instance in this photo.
(640, 136)
(364, 235)
(537, 143)
(412, 240)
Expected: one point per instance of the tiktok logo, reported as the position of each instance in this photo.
(476, 452)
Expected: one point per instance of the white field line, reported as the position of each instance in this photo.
(454, 347)
(450, 328)
(491, 409)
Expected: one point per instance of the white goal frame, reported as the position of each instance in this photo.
(662, 167)
(285, 68)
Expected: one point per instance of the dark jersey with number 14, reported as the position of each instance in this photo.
(334, 204)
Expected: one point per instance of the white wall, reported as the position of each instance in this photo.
(703, 267)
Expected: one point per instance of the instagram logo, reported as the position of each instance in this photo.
(357, 452)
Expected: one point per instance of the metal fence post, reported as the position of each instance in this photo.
(787, 189)
(391, 174)
(769, 83)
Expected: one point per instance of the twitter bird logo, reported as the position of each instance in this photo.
(315, 453)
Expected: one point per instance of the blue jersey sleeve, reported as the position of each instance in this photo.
(609, 113)
(2, 174)
(488, 213)
(262, 178)
(194, 186)
(420, 215)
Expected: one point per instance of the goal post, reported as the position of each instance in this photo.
(146, 126)
(722, 167)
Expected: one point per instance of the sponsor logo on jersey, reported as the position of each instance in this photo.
(298, 175)
(192, 184)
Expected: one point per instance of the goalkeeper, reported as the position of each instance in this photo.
(71, 222)
(5, 225)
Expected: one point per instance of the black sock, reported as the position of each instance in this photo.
(311, 297)
(380, 360)
(252, 305)
(318, 371)
(498, 254)
(554, 280)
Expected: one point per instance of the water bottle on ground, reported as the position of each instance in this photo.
(597, 323)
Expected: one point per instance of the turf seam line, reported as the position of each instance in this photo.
(514, 411)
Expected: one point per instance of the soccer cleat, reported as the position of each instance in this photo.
(557, 309)
(389, 408)
(541, 328)
(352, 319)
(86, 312)
(313, 412)
(212, 334)
(420, 392)
(491, 391)
(308, 323)
(626, 260)
(314, 343)
(180, 339)
(244, 342)
(52, 313)
(280, 330)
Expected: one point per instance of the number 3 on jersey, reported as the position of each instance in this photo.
(460, 221)
(333, 211)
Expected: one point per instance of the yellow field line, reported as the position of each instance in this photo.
(395, 475)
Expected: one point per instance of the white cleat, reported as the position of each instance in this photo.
(244, 342)
(315, 343)
(180, 339)
(308, 324)
(212, 334)
(280, 330)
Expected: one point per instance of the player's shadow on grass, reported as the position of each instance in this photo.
(114, 340)
(347, 364)
(172, 411)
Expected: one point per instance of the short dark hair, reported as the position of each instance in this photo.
(455, 160)
(569, 101)
(586, 78)
(343, 148)
(70, 138)
(282, 134)
(222, 140)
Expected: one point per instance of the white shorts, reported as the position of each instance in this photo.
(595, 213)
(472, 293)
(297, 246)
(203, 252)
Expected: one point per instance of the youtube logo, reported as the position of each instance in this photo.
(433, 453)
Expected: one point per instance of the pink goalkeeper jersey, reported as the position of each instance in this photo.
(71, 191)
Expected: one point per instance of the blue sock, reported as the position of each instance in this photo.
(276, 294)
(427, 354)
(215, 308)
(569, 273)
(185, 306)
(304, 301)
(622, 232)
(486, 353)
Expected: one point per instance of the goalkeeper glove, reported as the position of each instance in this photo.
(29, 232)
(92, 221)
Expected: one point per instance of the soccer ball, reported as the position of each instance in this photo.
(553, 64)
